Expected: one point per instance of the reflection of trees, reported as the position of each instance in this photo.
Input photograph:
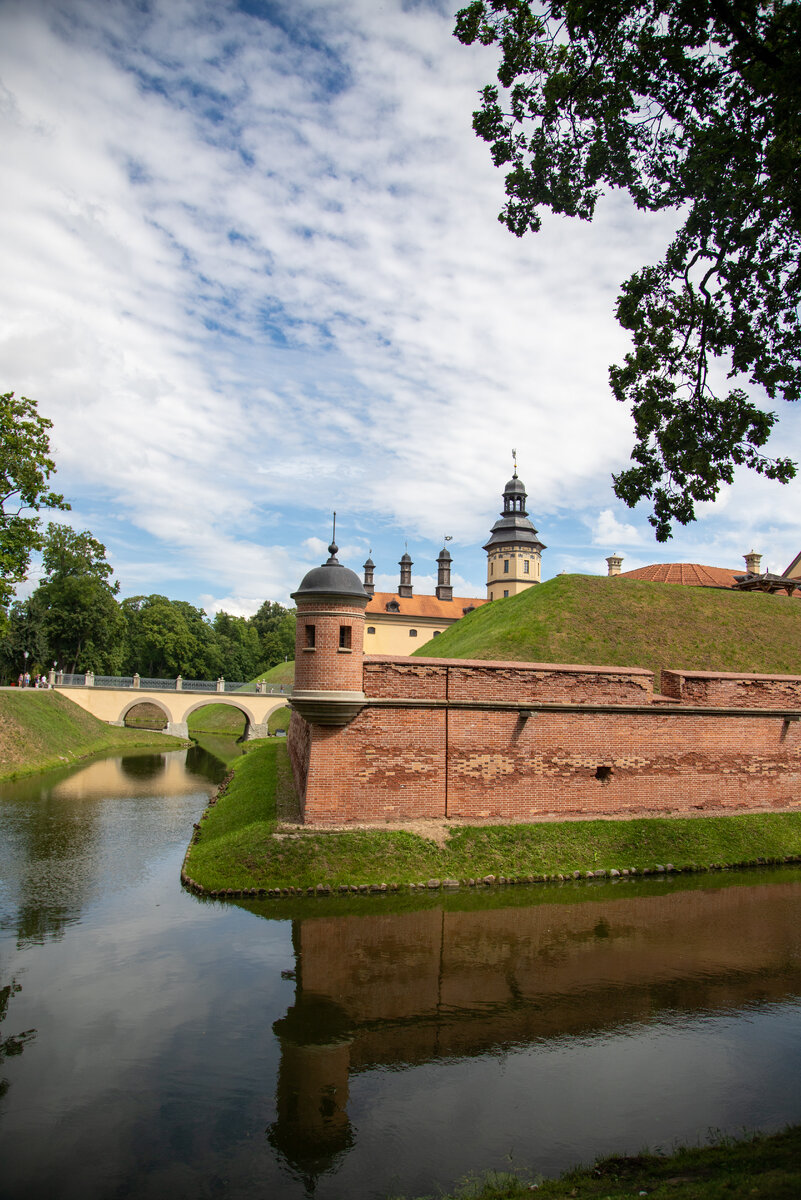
(14, 1043)
(143, 766)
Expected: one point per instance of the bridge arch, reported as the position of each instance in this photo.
(155, 701)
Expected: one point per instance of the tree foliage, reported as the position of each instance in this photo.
(25, 469)
(692, 105)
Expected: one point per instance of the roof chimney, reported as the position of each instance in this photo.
(752, 562)
(443, 590)
(613, 563)
(369, 585)
(405, 585)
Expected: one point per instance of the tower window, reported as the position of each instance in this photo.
(505, 593)
(525, 567)
(506, 566)
(492, 568)
(344, 637)
(310, 633)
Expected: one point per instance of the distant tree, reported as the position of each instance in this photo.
(691, 105)
(166, 638)
(275, 626)
(81, 619)
(239, 646)
(25, 468)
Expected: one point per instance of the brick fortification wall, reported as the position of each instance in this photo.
(521, 741)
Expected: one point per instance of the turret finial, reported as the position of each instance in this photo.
(514, 460)
(332, 549)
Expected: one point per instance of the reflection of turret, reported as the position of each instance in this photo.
(312, 1127)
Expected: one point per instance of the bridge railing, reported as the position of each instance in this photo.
(145, 683)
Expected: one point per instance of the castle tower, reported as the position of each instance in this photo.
(443, 590)
(329, 644)
(513, 549)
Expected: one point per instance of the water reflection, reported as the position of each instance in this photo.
(404, 989)
(143, 766)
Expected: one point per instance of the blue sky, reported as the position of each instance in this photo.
(253, 273)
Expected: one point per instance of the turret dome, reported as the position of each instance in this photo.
(331, 579)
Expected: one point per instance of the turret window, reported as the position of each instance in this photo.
(344, 637)
(506, 566)
(505, 593)
(525, 567)
(310, 636)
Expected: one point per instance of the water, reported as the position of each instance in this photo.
(362, 1047)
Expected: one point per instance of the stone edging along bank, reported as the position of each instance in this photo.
(324, 889)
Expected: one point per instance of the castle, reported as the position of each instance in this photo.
(377, 738)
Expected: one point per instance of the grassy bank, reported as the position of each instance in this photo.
(239, 845)
(42, 729)
(768, 1168)
(625, 622)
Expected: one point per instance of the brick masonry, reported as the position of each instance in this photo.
(507, 741)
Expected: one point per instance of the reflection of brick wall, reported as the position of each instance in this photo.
(402, 757)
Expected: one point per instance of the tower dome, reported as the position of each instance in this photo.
(330, 579)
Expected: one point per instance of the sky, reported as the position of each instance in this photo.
(253, 274)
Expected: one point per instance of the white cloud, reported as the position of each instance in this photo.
(253, 280)
(608, 531)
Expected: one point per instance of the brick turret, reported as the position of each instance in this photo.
(329, 644)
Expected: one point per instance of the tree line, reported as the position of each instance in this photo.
(74, 619)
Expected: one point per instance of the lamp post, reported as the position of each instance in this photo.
(25, 668)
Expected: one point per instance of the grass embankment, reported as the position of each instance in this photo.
(768, 1168)
(226, 721)
(240, 845)
(42, 729)
(628, 623)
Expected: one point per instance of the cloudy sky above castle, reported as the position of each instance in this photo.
(252, 271)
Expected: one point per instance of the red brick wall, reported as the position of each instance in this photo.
(394, 763)
(720, 690)
(468, 679)
(326, 667)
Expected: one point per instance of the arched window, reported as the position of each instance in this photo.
(371, 628)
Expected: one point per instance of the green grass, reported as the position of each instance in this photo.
(765, 1168)
(280, 674)
(43, 729)
(239, 845)
(220, 719)
(625, 622)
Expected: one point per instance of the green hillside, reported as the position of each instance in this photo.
(626, 622)
(42, 729)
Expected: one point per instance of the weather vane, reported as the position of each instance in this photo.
(514, 460)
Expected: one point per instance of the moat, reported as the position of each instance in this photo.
(365, 1047)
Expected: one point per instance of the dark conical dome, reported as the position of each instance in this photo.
(331, 579)
(406, 558)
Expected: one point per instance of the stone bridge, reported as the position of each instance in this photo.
(112, 703)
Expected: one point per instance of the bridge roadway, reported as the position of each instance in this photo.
(112, 705)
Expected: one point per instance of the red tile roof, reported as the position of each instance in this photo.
(690, 574)
(422, 606)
